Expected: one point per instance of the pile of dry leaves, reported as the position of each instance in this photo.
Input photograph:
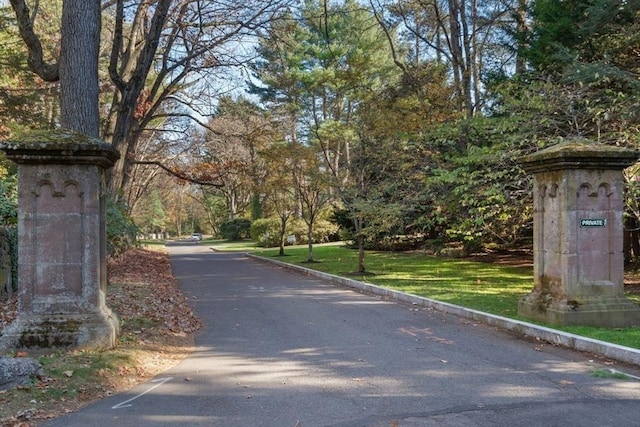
(144, 287)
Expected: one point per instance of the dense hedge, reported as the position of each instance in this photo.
(235, 229)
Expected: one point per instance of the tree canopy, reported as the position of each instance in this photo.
(403, 120)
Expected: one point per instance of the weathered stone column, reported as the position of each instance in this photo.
(61, 243)
(578, 232)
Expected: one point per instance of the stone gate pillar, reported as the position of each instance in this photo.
(61, 242)
(578, 232)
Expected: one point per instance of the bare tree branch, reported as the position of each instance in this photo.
(117, 47)
(384, 28)
(178, 174)
(47, 72)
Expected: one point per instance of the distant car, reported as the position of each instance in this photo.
(196, 237)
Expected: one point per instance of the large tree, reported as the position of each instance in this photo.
(471, 38)
(386, 198)
(320, 67)
(316, 66)
(165, 55)
(77, 66)
(231, 150)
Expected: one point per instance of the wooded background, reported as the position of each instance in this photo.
(394, 124)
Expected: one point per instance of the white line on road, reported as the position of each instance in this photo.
(124, 404)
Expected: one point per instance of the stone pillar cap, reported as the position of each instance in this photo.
(59, 146)
(579, 153)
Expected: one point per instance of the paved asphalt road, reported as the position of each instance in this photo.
(284, 350)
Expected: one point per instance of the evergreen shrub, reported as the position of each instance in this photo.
(235, 229)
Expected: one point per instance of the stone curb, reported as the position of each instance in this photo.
(575, 342)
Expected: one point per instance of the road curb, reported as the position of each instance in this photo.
(575, 342)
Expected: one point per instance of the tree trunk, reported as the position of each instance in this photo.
(466, 60)
(475, 58)
(310, 241)
(457, 61)
(130, 82)
(121, 140)
(522, 33)
(358, 225)
(79, 50)
(283, 231)
(361, 268)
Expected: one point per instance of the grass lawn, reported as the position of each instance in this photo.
(482, 286)
(223, 245)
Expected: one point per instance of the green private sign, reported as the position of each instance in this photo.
(593, 222)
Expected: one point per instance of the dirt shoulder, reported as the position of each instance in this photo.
(157, 327)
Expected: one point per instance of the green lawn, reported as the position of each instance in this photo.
(223, 245)
(476, 285)
(482, 286)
